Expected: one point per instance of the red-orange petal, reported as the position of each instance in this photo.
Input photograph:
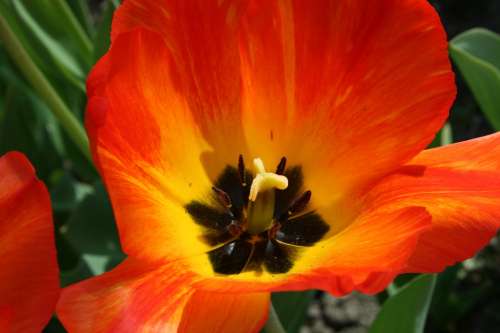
(213, 312)
(132, 298)
(205, 64)
(459, 185)
(29, 278)
(330, 84)
(348, 89)
(148, 146)
(135, 298)
(365, 256)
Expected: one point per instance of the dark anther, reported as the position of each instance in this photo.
(285, 198)
(300, 203)
(303, 230)
(281, 166)
(223, 197)
(231, 258)
(241, 170)
(278, 258)
(207, 216)
(235, 229)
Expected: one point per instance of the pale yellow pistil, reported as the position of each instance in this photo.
(262, 198)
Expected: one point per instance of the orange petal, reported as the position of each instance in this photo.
(308, 78)
(459, 185)
(212, 312)
(365, 257)
(131, 298)
(147, 145)
(29, 278)
(348, 89)
(137, 298)
(205, 64)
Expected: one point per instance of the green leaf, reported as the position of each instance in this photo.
(292, 308)
(476, 52)
(81, 9)
(91, 228)
(78, 273)
(102, 37)
(67, 192)
(406, 311)
(63, 59)
(26, 125)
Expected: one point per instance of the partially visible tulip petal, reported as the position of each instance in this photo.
(29, 277)
(135, 298)
(336, 87)
(132, 298)
(459, 185)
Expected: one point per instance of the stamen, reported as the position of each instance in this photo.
(241, 170)
(223, 197)
(280, 169)
(300, 203)
(253, 226)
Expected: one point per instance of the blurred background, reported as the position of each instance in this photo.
(64, 38)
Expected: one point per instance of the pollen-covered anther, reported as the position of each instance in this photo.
(265, 181)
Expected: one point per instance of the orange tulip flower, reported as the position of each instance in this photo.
(257, 146)
(29, 278)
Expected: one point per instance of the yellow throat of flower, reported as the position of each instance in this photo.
(262, 198)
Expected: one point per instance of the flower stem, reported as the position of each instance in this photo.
(42, 86)
(273, 324)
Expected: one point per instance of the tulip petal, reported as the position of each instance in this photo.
(136, 298)
(205, 65)
(133, 297)
(29, 278)
(309, 80)
(212, 312)
(350, 90)
(365, 256)
(459, 185)
(148, 147)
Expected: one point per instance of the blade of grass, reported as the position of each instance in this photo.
(83, 14)
(64, 60)
(80, 34)
(42, 86)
